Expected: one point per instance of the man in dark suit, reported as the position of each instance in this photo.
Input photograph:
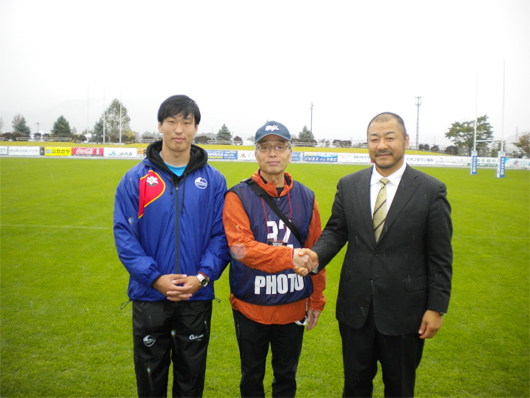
(396, 277)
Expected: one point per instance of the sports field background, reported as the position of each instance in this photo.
(63, 333)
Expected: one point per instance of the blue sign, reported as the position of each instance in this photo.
(502, 164)
(221, 154)
(474, 161)
(296, 157)
(321, 157)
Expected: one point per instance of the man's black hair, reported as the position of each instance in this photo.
(387, 116)
(179, 105)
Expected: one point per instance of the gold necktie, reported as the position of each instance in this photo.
(380, 209)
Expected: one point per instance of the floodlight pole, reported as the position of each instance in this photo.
(418, 103)
(120, 115)
(87, 107)
(476, 117)
(501, 156)
(503, 96)
(104, 114)
(474, 154)
(311, 126)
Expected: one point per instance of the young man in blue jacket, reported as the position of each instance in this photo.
(169, 235)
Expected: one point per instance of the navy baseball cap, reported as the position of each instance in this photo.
(272, 128)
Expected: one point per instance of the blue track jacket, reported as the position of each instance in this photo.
(164, 224)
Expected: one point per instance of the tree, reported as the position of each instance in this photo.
(451, 150)
(201, 139)
(6, 136)
(524, 143)
(238, 140)
(20, 126)
(496, 148)
(224, 134)
(324, 142)
(306, 135)
(462, 133)
(128, 137)
(61, 128)
(79, 137)
(109, 123)
(149, 136)
(97, 136)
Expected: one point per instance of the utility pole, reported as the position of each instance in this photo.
(87, 107)
(418, 103)
(311, 126)
(120, 115)
(104, 115)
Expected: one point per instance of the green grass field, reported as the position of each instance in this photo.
(63, 333)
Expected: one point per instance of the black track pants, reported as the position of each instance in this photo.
(165, 332)
(254, 339)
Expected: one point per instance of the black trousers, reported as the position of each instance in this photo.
(165, 332)
(254, 339)
(362, 348)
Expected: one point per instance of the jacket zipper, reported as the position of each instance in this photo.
(177, 228)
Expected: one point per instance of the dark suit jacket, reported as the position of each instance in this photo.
(409, 270)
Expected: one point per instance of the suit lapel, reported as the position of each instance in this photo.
(363, 199)
(360, 200)
(406, 189)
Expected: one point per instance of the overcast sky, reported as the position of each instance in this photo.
(246, 62)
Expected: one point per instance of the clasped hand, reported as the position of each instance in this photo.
(177, 287)
(304, 261)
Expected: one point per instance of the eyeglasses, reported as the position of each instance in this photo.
(268, 148)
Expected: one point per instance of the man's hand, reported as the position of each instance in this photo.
(431, 323)
(177, 287)
(312, 318)
(304, 261)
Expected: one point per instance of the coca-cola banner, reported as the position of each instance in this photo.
(87, 151)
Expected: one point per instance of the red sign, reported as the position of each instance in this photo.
(87, 151)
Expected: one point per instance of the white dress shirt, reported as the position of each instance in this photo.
(391, 188)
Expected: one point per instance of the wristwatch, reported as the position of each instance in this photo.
(203, 279)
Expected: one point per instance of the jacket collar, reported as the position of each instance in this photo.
(269, 186)
(198, 157)
(406, 189)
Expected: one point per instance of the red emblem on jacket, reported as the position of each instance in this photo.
(151, 188)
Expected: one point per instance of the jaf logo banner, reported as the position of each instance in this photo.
(120, 152)
(57, 151)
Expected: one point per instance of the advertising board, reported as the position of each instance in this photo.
(87, 151)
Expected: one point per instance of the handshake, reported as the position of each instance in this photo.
(304, 261)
